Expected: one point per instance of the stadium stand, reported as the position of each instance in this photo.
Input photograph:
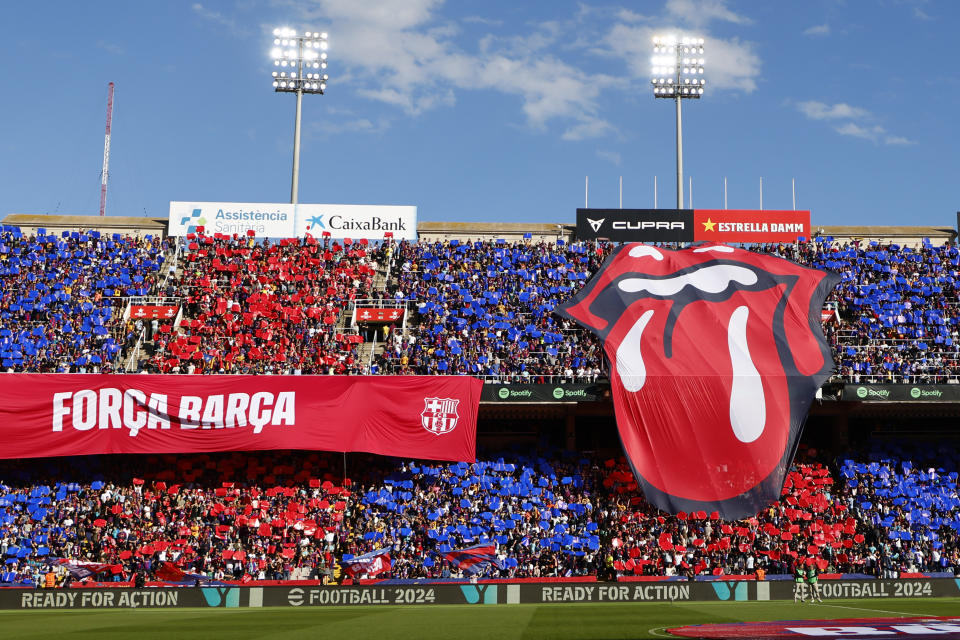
(909, 508)
(483, 308)
(899, 310)
(62, 297)
(257, 307)
(292, 515)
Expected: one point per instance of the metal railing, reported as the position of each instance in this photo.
(892, 378)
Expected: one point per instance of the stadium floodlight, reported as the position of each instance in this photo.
(677, 74)
(300, 63)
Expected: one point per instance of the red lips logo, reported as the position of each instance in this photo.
(715, 355)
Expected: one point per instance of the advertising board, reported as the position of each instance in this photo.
(692, 225)
(482, 593)
(901, 392)
(541, 393)
(275, 220)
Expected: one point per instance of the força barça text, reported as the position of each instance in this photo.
(134, 410)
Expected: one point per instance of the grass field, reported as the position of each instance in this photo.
(466, 622)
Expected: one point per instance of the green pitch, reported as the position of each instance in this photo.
(466, 622)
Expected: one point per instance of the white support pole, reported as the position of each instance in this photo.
(654, 192)
(679, 153)
(621, 192)
(295, 181)
(793, 184)
(690, 194)
(761, 193)
(724, 192)
(586, 192)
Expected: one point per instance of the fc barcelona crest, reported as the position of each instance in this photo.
(439, 415)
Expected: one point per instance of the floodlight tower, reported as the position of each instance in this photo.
(677, 73)
(299, 60)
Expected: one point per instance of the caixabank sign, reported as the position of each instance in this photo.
(692, 225)
(478, 594)
(283, 220)
(901, 393)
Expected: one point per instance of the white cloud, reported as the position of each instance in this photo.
(699, 13)
(219, 18)
(875, 134)
(626, 15)
(857, 131)
(821, 111)
(860, 123)
(481, 20)
(817, 30)
(610, 156)
(589, 128)
(110, 47)
(401, 53)
(897, 140)
(356, 125)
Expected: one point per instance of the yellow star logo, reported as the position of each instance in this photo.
(709, 225)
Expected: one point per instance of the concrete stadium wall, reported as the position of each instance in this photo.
(482, 593)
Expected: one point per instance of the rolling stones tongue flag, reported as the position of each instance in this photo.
(715, 355)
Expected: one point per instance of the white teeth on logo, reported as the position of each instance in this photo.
(748, 407)
(630, 366)
(596, 224)
(712, 279)
(644, 250)
(718, 248)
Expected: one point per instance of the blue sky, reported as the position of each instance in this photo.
(485, 111)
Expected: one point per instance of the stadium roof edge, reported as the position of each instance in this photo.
(437, 230)
(446, 230)
(135, 226)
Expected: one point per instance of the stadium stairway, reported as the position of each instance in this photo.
(131, 360)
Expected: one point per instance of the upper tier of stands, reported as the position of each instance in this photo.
(252, 306)
(62, 297)
(485, 309)
(478, 308)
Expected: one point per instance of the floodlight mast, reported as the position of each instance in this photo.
(300, 53)
(677, 73)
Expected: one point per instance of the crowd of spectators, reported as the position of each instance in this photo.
(898, 306)
(906, 496)
(480, 308)
(296, 515)
(257, 307)
(62, 297)
(486, 309)
(198, 512)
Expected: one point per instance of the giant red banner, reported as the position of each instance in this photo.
(715, 356)
(430, 417)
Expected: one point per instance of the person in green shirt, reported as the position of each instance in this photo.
(812, 575)
(799, 590)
